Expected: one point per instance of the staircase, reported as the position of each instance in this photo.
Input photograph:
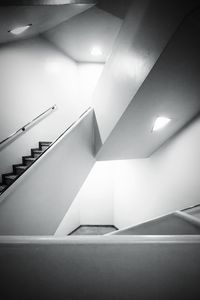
(19, 169)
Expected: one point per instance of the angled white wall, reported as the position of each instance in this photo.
(165, 182)
(144, 34)
(93, 204)
(128, 192)
(34, 76)
(38, 201)
(96, 196)
(71, 220)
(171, 89)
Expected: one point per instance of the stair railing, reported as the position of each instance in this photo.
(190, 207)
(23, 128)
(67, 130)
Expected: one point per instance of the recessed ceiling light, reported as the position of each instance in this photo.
(160, 123)
(96, 51)
(19, 30)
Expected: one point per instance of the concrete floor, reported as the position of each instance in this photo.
(93, 230)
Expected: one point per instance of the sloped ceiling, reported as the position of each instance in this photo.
(42, 17)
(171, 89)
(117, 8)
(77, 36)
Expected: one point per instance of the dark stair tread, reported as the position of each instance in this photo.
(36, 151)
(21, 167)
(18, 169)
(8, 179)
(45, 143)
(29, 158)
(10, 176)
(2, 187)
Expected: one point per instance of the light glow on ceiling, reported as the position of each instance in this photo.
(19, 30)
(160, 123)
(96, 51)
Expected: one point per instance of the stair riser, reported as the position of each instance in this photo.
(2, 189)
(19, 171)
(36, 154)
(8, 181)
(43, 148)
(27, 162)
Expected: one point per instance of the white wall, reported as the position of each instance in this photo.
(167, 181)
(88, 76)
(38, 201)
(128, 192)
(93, 204)
(34, 76)
(70, 221)
(96, 196)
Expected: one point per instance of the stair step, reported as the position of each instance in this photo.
(2, 187)
(19, 169)
(44, 145)
(8, 179)
(28, 160)
(36, 152)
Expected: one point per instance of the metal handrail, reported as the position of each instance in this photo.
(190, 207)
(23, 128)
(69, 128)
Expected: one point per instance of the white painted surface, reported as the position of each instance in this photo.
(171, 90)
(167, 181)
(34, 76)
(78, 36)
(144, 34)
(96, 196)
(134, 191)
(93, 204)
(71, 220)
(37, 205)
(43, 17)
(88, 76)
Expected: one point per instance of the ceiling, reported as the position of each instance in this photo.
(117, 8)
(42, 17)
(93, 28)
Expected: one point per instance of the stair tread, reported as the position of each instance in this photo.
(2, 187)
(37, 151)
(46, 143)
(21, 167)
(29, 158)
(10, 176)
(18, 169)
